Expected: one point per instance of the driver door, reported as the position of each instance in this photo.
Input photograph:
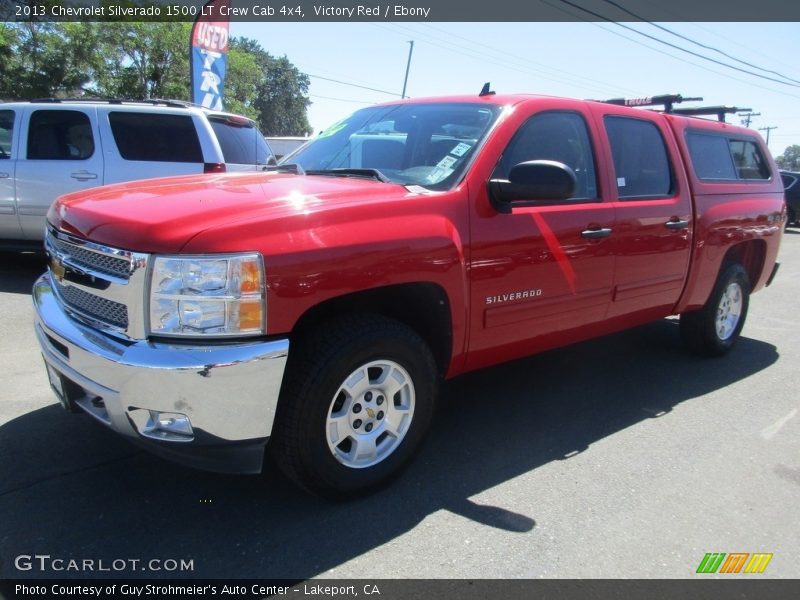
(542, 275)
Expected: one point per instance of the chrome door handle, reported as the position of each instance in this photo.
(677, 224)
(83, 175)
(593, 234)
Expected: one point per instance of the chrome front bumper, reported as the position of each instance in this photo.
(228, 391)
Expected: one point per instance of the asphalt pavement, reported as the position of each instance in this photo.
(622, 457)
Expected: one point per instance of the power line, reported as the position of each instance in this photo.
(347, 77)
(695, 42)
(339, 99)
(463, 51)
(664, 52)
(738, 42)
(363, 87)
(394, 94)
(524, 60)
(676, 47)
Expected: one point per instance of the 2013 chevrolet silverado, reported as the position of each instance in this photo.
(317, 306)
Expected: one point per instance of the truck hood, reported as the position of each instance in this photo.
(162, 215)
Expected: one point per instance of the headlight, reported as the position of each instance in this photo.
(210, 296)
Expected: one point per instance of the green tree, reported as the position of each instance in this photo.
(43, 60)
(281, 99)
(8, 41)
(241, 83)
(790, 159)
(143, 60)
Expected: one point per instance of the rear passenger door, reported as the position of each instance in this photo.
(62, 154)
(144, 144)
(653, 234)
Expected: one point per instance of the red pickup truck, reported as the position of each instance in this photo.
(317, 306)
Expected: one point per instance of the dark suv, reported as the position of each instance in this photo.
(792, 188)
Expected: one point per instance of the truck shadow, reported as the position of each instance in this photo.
(71, 489)
(19, 271)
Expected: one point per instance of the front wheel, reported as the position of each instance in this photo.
(714, 329)
(357, 401)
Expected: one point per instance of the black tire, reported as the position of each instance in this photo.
(320, 365)
(700, 329)
(791, 217)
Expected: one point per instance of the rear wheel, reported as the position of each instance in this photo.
(358, 398)
(714, 329)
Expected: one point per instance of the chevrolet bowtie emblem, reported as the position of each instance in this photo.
(58, 269)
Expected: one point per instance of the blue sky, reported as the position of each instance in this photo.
(583, 60)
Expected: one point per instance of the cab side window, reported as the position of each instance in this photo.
(60, 135)
(748, 160)
(558, 136)
(711, 157)
(6, 131)
(640, 158)
(717, 157)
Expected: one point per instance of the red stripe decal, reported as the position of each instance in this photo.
(562, 260)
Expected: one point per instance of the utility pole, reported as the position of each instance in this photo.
(748, 116)
(408, 66)
(767, 129)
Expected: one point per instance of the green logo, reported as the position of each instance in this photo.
(735, 562)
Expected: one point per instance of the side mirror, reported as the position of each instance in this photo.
(532, 181)
(272, 161)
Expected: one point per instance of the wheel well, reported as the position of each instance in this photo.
(751, 256)
(424, 307)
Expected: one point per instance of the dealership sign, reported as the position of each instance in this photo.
(209, 54)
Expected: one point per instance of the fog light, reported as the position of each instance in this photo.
(167, 426)
(172, 422)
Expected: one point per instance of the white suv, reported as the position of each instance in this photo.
(52, 147)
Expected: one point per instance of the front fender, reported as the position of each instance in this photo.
(311, 259)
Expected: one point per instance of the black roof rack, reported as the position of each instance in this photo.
(665, 100)
(180, 103)
(57, 100)
(152, 101)
(719, 111)
(669, 100)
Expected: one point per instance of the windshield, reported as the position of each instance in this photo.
(411, 144)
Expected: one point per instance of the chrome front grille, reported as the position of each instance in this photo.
(98, 284)
(94, 307)
(90, 259)
(88, 256)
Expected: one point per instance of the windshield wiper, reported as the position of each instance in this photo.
(347, 172)
(287, 168)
